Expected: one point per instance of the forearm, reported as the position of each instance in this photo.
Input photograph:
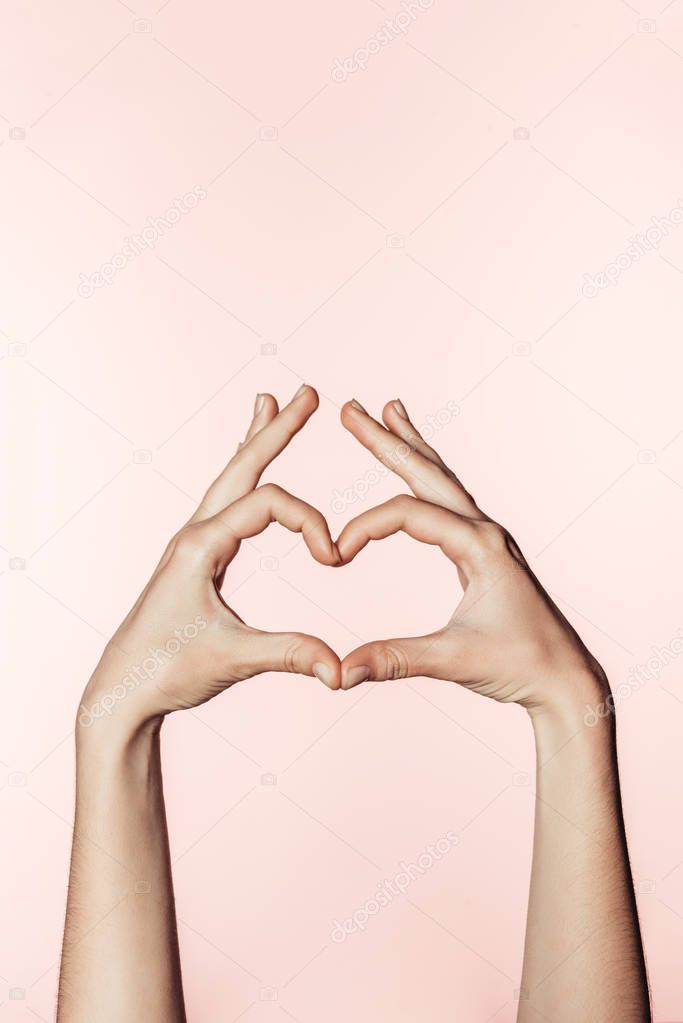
(120, 956)
(583, 955)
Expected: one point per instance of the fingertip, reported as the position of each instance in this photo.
(356, 420)
(354, 675)
(393, 408)
(354, 408)
(345, 409)
(346, 554)
(265, 410)
(349, 542)
(312, 396)
(308, 396)
(269, 405)
(324, 550)
(327, 673)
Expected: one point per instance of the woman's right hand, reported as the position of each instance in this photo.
(181, 644)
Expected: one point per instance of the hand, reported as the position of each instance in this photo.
(181, 645)
(506, 639)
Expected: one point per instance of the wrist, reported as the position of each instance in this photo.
(116, 737)
(110, 715)
(582, 713)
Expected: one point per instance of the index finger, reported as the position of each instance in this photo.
(427, 480)
(251, 514)
(424, 521)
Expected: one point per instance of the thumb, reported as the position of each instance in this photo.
(394, 659)
(293, 652)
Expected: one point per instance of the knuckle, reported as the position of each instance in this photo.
(491, 537)
(291, 659)
(190, 542)
(313, 518)
(170, 547)
(404, 502)
(393, 662)
(270, 490)
(312, 525)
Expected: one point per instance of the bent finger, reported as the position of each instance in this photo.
(425, 522)
(251, 514)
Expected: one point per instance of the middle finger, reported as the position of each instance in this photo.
(426, 479)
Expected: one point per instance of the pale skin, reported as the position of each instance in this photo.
(506, 640)
(583, 957)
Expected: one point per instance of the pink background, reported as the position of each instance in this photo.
(394, 233)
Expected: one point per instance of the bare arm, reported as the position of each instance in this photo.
(508, 641)
(179, 646)
(583, 954)
(120, 958)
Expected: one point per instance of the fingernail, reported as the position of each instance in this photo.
(352, 676)
(259, 403)
(357, 404)
(324, 673)
(300, 391)
(400, 408)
